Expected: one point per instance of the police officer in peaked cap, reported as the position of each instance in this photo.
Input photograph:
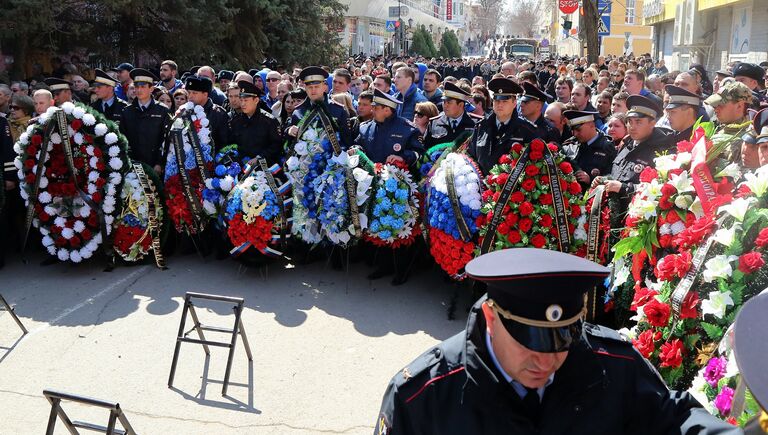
(527, 363)
(453, 120)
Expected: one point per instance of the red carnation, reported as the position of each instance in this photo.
(536, 155)
(671, 354)
(762, 238)
(86, 234)
(684, 146)
(644, 343)
(528, 184)
(546, 221)
(668, 189)
(689, 307)
(29, 163)
(545, 199)
(76, 124)
(642, 296)
(657, 313)
(501, 179)
(751, 262)
(514, 237)
(517, 148)
(537, 145)
(96, 197)
(575, 211)
(538, 241)
(574, 188)
(517, 197)
(544, 179)
(649, 174)
(29, 178)
(36, 140)
(511, 219)
(566, 168)
(525, 225)
(743, 191)
(526, 208)
(553, 147)
(672, 217)
(505, 159)
(695, 233)
(531, 170)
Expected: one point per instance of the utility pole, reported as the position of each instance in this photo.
(399, 30)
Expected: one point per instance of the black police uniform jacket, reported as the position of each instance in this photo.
(218, 123)
(634, 157)
(595, 158)
(394, 136)
(145, 130)
(489, 143)
(604, 387)
(114, 112)
(439, 129)
(257, 135)
(541, 129)
(336, 113)
(7, 154)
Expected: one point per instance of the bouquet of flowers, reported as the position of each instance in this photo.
(453, 205)
(138, 228)
(70, 166)
(257, 211)
(225, 175)
(311, 154)
(342, 193)
(543, 207)
(188, 168)
(394, 211)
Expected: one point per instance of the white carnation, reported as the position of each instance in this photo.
(56, 138)
(209, 207)
(109, 220)
(18, 165)
(63, 254)
(86, 253)
(188, 105)
(67, 107)
(60, 221)
(78, 138)
(52, 250)
(24, 194)
(111, 189)
(85, 211)
(115, 163)
(79, 226)
(227, 183)
(93, 162)
(92, 188)
(204, 122)
(45, 197)
(100, 129)
(114, 151)
(43, 119)
(115, 178)
(78, 112)
(75, 257)
(50, 210)
(30, 130)
(47, 241)
(43, 182)
(93, 176)
(108, 208)
(110, 138)
(89, 119)
(70, 131)
(67, 233)
(17, 147)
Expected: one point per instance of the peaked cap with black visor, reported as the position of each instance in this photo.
(538, 294)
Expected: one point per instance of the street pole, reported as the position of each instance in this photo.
(399, 31)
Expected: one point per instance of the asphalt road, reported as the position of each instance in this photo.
(325, 344)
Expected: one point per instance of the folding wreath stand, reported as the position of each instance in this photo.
(115, 414)
(4, 306)
(197, 326)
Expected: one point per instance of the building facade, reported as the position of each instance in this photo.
(366, 30)
(713, 33)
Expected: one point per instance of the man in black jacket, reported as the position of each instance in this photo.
(255, 131)
(453, 121)
(199, 89)
(528, 364)
(591, 151)
(108, 104)
(145, 122)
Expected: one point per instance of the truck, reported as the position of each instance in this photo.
(522, 47)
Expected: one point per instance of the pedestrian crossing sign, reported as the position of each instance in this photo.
(391, 26)
(604, 25)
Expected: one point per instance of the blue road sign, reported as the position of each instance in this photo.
(391, 26)
(604, 25)
(604, 7)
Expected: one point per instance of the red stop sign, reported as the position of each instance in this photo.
(568, 6)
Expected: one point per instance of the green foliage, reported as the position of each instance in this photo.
(449, 45)
(215, 32)
(714, 332)
(422, 43)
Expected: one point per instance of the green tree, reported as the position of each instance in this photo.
(236, 33)
(422, 43)
(449, 45)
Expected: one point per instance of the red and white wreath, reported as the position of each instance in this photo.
(74, 210)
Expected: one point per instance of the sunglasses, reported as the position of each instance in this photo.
(419, 114)
(14, 107)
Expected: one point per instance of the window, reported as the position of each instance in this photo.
(630, 8)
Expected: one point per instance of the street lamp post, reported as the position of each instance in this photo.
(399, 30)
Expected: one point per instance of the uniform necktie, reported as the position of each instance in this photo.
(454, 124)
(532, 403)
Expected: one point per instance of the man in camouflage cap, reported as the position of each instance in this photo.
(731, 103)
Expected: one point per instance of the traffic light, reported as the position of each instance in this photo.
(567, 24)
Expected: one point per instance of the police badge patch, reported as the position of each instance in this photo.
(382, 425)
(397, 147)
(638, 168)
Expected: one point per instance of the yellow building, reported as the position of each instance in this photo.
(628, 34)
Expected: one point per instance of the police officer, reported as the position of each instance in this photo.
(682, 111)
(453, 121)
(391, 139)
(224, 78)
(388, 137)
(528, 364)
(108, 104)
(145, 122)
(533, 125)
(731, 104)
(199, 89)
(61, 90)
(750, 348)
(495, 134)
(594, 151)
(314, 79)
(645, 142)
(753, 76)
(255, 131)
